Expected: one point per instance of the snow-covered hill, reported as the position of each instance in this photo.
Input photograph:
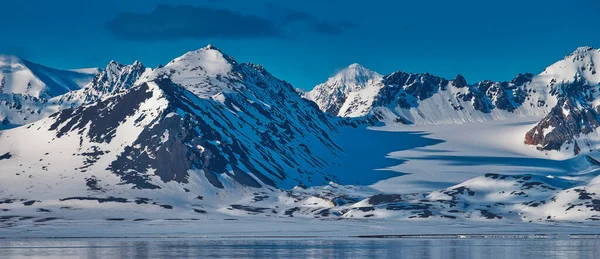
(26, 88)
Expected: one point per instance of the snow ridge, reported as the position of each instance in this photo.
(26, 88)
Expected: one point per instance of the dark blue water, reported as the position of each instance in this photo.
(300, 248)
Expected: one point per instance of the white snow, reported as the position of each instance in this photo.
(205, 72)
(165, 136)
(355, 87)
(548, 130)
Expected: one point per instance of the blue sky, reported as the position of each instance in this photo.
(306, 41)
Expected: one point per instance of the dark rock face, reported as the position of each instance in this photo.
(488, 95)
(459, 82)
(569, 119)
(522, 79)
(5, 156)
(385, 198)
(407, 90)
(104, 117)
(206, 139)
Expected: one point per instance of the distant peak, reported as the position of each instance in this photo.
(582, 51)
(113, 64)
(137, 63)
(356, 69)
(211, 47)
(356, 65)
(521, 79)
(459, 81)
(4, 58)
(354, 77)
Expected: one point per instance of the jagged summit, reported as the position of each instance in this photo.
(459, 81)
(114, 78)
(583, 50)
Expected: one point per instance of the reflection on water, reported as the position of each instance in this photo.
(300, 248)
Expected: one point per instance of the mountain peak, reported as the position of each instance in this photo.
(137, 63)
(356, 76)
(459, 81)
(585, 54)
(7, 58)
(205, 72)
(212, 47)
(113, 64)
(582, 50)
(209, 57)
(356, 66)
(355, 81)
(579, 64)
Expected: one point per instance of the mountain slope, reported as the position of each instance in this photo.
(19, 76)
(571, 126)
(26, 87)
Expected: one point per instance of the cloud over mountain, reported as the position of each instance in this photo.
(185, 22)
(167, 22)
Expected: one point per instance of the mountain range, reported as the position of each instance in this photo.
(205, 134)
(566, 93)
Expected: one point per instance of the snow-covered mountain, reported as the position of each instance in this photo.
(26, 87)
(201, 127)
(565, 92)
(571, 126)
(411, 98)
(208, 135)
(350, 93)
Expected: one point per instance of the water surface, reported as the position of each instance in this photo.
(299, 248)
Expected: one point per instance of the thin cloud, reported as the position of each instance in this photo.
(314, 23)
(187, 22)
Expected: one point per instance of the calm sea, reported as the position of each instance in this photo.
(299, 248)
